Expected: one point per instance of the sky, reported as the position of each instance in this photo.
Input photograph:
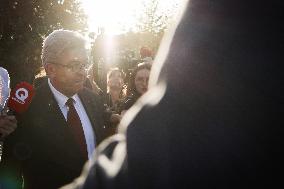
(118, 16)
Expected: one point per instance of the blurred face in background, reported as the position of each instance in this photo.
(141, 81)
(115, 80)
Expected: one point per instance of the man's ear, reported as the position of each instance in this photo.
(50, 70)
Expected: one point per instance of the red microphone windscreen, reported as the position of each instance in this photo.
(21, 97)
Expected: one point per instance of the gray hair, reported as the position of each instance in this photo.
(58, 41)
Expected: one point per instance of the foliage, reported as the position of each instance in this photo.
(152, 20)
(24, 24)
(123, 50)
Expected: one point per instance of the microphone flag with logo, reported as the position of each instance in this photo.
(21, 97)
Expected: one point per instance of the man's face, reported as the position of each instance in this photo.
(68, 74)
(141, 81)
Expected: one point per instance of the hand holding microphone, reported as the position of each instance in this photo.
(18, 103)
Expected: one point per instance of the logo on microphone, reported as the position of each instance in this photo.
(21, 95)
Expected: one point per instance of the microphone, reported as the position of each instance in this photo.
(19, 101)
(20, 98)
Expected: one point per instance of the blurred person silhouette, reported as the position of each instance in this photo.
(63, 124)
(137, 86)
(211, 116)
(91, 83)
(8, 124)
(115, 89)
(146, 55)
(8, 121)
(114, 96)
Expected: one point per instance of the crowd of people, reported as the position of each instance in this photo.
(68, 117)
(121, 94)
(210, 118)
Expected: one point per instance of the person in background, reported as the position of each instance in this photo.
(63, 125)
(211, 118)
(146, 55)
(137, 86)
(91, 83)
(115, 89)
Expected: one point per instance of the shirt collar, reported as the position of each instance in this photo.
(61, 98)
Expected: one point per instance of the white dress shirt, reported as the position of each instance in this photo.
(87, 126)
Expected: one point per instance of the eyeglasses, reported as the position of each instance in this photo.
(73, 67)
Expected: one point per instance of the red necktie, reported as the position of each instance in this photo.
(75, 125)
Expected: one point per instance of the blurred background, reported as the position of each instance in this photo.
(121, 33)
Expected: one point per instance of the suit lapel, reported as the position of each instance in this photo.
(56, 128)
(53, 114)
(92, 109)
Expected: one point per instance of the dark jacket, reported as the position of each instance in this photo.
(129, 101)
(42, 149)
(212, 118)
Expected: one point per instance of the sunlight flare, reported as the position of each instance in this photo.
(119, 16)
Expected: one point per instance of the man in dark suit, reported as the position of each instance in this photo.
(212, 118)
(63, 125)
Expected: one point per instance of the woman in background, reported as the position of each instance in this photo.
(138, 85)
(115, 89)
(91, 83)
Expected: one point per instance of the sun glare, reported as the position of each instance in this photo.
(117, 16)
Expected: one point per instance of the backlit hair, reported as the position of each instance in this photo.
(59, 41)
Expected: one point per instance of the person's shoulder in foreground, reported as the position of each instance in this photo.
(210, 118)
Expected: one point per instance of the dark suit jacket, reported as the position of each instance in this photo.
(42, 149)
